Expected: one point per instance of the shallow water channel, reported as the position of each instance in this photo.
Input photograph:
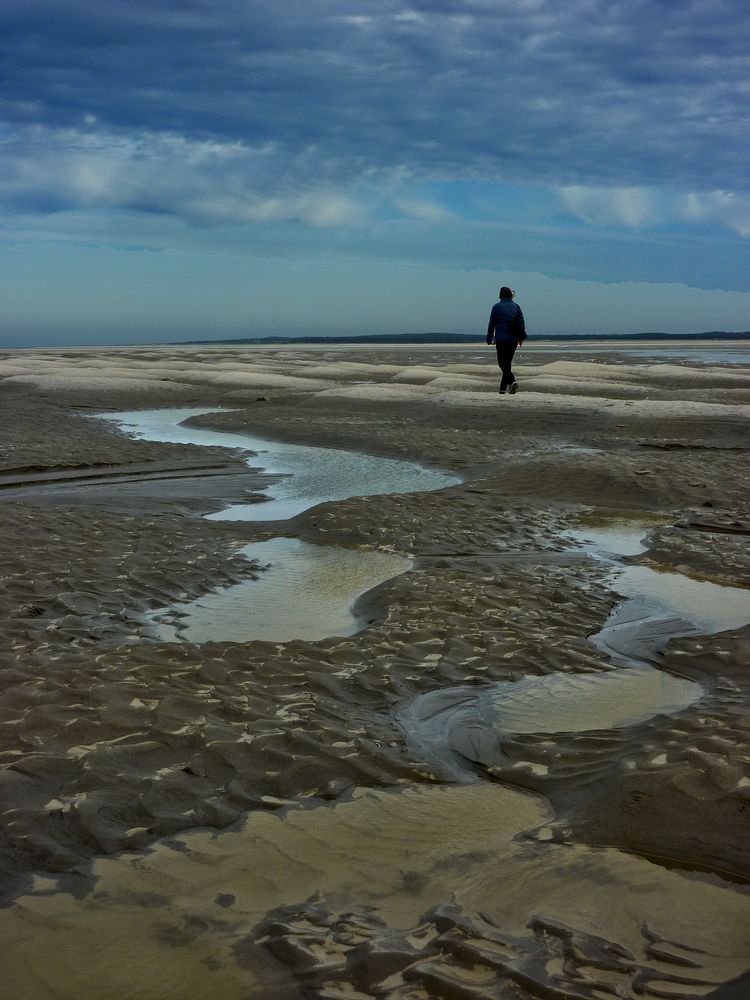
(462, 726)
(355, 895)
(659, 604)
(311, 475)
(310, 592)
(302, 591)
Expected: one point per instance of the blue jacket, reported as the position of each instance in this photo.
(506, 323)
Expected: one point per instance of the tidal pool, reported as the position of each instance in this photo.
(703, 606)
(576, 703)
(467, 723)
(311, 475)
(305, 592)
(459, 724)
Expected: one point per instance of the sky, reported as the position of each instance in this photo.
(246, 168)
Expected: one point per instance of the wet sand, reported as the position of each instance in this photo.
(285, 833)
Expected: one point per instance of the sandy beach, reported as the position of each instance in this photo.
(378, 813)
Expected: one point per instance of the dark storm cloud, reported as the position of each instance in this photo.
(594, 123)
(589, 93)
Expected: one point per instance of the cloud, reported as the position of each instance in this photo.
(425, 211)
(410, 15)
(634, 206)
(586, 93)
(203, 180)
(220, 113)
(725, 207)
(643, 208)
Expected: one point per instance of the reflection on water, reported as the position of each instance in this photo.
(615, 537)
(461, 727)
(710, 607)
(315, 475)
(464, 723)
(307, 592)
(575, 703)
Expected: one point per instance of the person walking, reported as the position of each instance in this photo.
(506, 330)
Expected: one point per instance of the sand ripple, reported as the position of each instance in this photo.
(349, 861)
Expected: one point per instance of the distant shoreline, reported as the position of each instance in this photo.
(469, 338)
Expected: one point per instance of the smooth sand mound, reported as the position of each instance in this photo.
(147, 374)
(558, 396)
(109, 364)
(254, 380)
(583, 386)
(83, 382)
(417, 375)
(29, 366)
(463, 383)
(671, 374)
(486, 369)
(667, 375)
(656, 409)
(240, 364)
(592, 369)
(346, 370)
(377, 393)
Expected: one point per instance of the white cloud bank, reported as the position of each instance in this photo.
(641, 208)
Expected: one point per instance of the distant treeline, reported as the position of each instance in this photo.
(470, 338)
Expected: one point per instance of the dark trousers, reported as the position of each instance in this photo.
(505, 351)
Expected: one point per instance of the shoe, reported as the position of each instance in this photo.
(514, 388)
(501, 392)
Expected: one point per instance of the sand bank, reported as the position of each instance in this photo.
(296, 750)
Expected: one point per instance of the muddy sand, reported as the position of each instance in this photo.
(481, 733)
